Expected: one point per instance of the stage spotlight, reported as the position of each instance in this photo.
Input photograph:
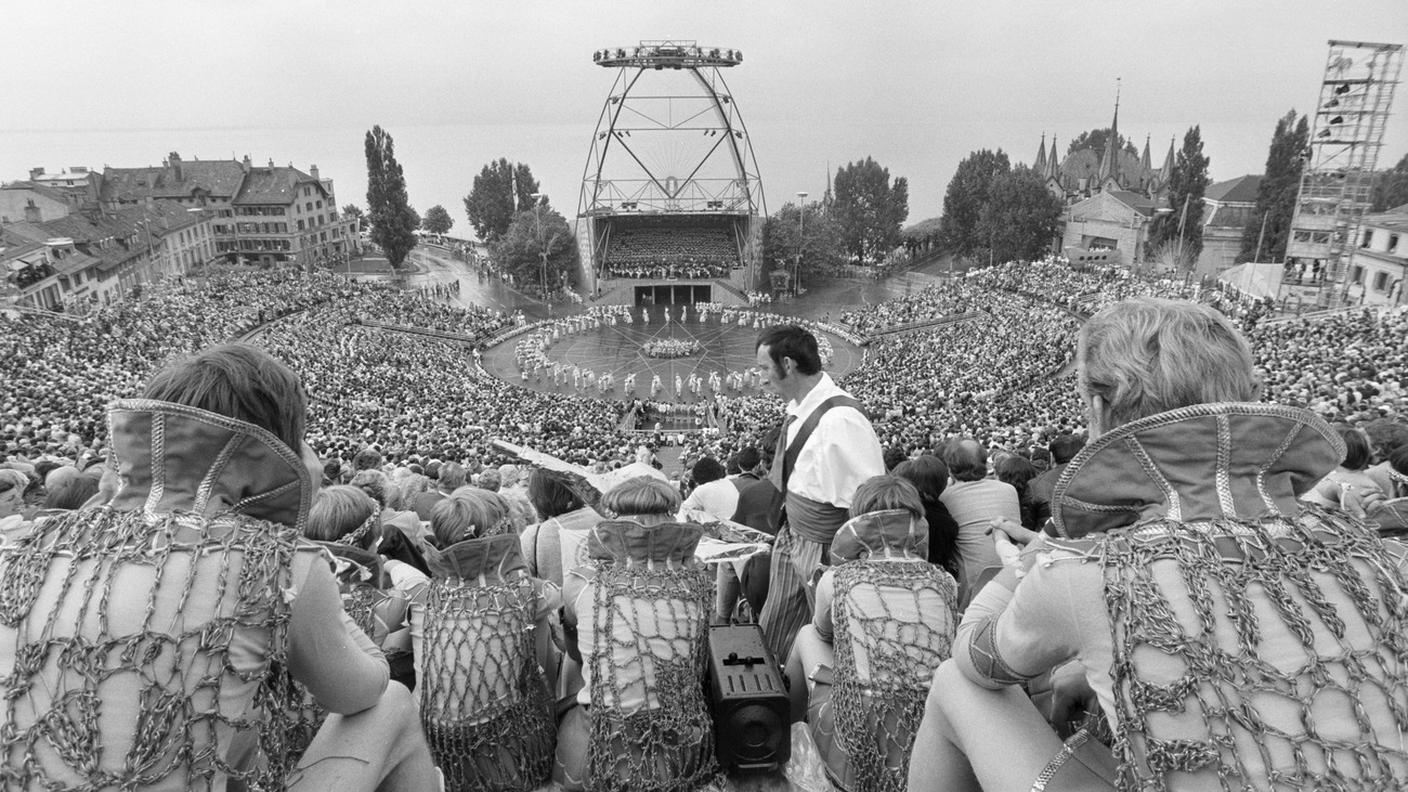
(1337, 120)
(1325, 133)
(1343, 89)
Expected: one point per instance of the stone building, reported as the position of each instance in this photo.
(1378, 265)
(267, 215)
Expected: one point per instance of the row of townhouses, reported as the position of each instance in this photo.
(84, 237)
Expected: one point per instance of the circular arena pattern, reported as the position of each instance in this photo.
(618, 350)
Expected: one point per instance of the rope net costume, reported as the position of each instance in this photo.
(654, 611)
(884, 663)
(1258, 642)
(119, 684)
(485, 706)
(1298, 565)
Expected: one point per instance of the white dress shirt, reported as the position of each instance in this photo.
(842, 452)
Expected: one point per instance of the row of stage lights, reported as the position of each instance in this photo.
(735, 56)
(707, 204)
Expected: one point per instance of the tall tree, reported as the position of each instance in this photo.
(519, 250)
(814, 235)
(1390, 187)
(1181, 228)
(393, 220)
(490, 203)
(1095, 140)
(1020, 217)
(868, 209)
(1266, 234)
(437, 220)
(965, 198)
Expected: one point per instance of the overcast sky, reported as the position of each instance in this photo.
(917, 85)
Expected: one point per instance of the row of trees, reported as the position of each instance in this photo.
(527, 238)
(995, 212)
(502, 208)
(857, 221)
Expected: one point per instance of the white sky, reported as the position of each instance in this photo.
(917, 85)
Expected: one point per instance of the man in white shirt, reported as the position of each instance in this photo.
(713, 494)
(826, 449)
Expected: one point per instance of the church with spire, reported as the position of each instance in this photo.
(1111, 195)
(1085, 172)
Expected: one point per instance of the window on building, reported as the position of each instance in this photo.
(1380, 281)
(300, 225)
(1393, 243)
(1368, 237)
(1357, 275)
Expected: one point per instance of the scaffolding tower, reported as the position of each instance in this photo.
(1348, 130)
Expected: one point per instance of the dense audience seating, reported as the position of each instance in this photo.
(997, 377)
(660, 252)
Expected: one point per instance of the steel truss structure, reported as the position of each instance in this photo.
(670, 141)
(1348, 130)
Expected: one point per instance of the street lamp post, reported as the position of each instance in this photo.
(801, 239)
(542, 246)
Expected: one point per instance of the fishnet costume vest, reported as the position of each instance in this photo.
(1248, 583)
(876, 719)
(103, 608)
(489, 724)
(668, 747)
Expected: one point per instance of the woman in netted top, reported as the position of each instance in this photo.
(1225, 634)
(640, 608)
(377, 592)
(884, 620)
(484, 650)
(151, 643)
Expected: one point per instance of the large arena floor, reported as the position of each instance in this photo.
(725, 347)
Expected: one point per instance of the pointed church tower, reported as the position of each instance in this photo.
(1146, 167)
(1039, 164)
(1053, 163)
(1110, 163)
(1166, 172)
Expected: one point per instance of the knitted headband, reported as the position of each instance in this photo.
(355, 538)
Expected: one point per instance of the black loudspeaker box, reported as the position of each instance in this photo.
(752, 712)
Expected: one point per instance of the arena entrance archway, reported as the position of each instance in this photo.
(674, 294)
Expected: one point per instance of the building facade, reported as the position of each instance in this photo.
(1379, 264)
(80, 260)
(263, 215)
(1228, 207)
(1115, 220)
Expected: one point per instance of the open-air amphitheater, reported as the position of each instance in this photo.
(661, 354)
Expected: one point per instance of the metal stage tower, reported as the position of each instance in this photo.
(1347, 133)
(670, 142)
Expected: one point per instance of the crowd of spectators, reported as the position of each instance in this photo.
(999, 374)
(672, 270)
